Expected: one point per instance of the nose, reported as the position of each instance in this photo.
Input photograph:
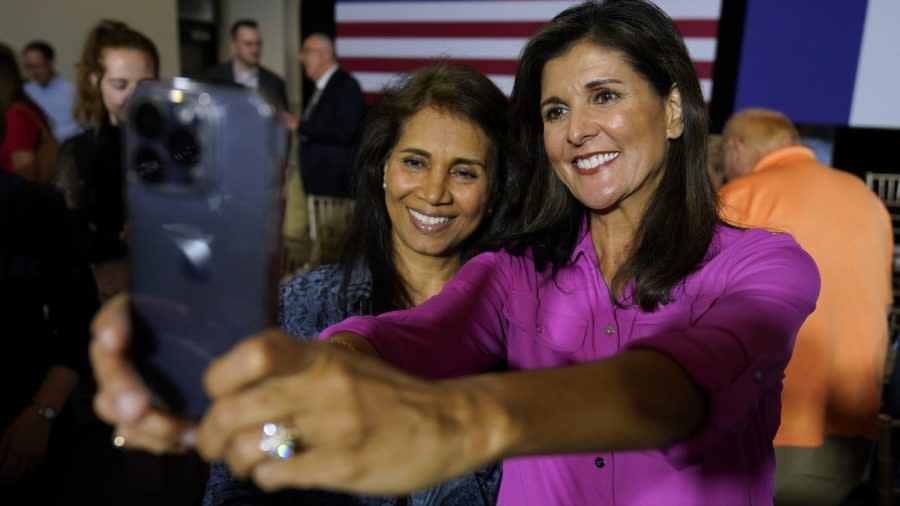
(434, 188)
(581, 127)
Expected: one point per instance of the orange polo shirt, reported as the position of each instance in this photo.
(833, 383)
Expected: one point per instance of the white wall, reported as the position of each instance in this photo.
(279, 24)
(64, 24)
(876, 103)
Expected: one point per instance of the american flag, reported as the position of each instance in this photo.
(377, 41)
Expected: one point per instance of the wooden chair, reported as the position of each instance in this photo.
(886, 186)
(329, 218)
(886, 460)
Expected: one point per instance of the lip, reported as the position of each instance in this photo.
(603, 165)
(428, 228)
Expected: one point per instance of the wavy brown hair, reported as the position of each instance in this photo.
(89, 111)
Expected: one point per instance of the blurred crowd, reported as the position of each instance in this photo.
(627, 288)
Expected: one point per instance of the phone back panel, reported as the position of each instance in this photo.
(204, 199)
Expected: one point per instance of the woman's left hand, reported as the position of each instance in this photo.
(24, 443)
(361, 426)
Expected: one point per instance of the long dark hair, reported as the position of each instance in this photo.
(12, 88)
(678, 224)
(458, 90)
(89, 110)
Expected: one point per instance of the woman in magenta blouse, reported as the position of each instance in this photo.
(626, 347)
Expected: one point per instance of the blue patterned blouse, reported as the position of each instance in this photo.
(310, 302)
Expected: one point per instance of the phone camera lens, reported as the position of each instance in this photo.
(149, 165)
(148, 121)
(183, 147)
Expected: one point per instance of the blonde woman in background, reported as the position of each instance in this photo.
(115, 58)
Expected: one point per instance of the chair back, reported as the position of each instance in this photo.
(886, 186)
(329, 217)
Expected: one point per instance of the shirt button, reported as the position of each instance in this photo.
(539, 329)
(758, 376)
(600, 462)
(609, 330)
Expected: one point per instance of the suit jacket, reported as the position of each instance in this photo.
(270, 85)
(329, 136)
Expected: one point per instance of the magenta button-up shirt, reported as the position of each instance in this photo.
(731, 326)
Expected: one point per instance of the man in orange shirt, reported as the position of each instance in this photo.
(832, 386)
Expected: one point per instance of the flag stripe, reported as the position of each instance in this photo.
(521, 29)
(448, 11)
(506, 11)
(703, 68)
(373, 82)
(702, 49)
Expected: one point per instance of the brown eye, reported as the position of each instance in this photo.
(605, 96)
(413, 163)
(553, 113)
(464, 173)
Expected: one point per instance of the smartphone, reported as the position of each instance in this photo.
(204, 168)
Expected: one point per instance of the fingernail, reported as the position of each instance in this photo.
(188, 438)
(129, 406)
(108, 339)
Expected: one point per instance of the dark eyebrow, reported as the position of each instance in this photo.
(550, 100)
(416, 151)
(468, 161)
(426, 154)
(590, 85)
(601, 82)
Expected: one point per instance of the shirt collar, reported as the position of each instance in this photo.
(320, 84)
(787, 154)
(50, 84)
(242, 76)
(585, 245)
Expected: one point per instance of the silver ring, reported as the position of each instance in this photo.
(278, 441)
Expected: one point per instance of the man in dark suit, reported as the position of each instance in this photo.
(331, 123)
(244, 67)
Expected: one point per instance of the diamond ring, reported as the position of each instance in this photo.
(278, 440)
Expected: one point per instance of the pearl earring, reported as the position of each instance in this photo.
(384, 185)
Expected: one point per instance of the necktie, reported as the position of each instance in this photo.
(312, 102)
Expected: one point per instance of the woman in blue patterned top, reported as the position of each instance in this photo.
(430, 173)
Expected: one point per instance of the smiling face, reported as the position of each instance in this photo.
(125, 69)
(437, 183)
(605, 129)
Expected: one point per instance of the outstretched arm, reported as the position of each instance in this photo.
(366, 427)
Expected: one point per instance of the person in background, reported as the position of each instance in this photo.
(53, 93)
(716, 160)
(332, 120)
(621, 346)
(832, 386)
(47, 300)
(114, 60)
(24, 129)
(431, 152)
(244, 67)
